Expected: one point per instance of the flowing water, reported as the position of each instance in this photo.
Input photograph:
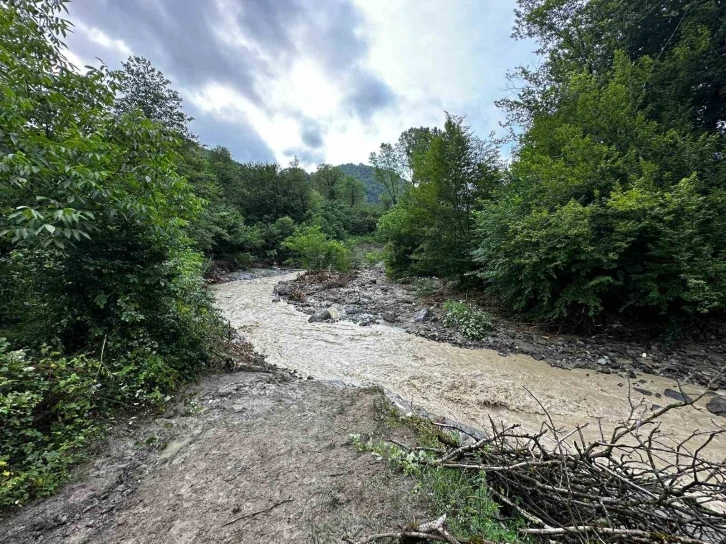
(465, 385)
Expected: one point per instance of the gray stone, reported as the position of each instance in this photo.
(319, 316)
(717, 405)
(424, 314)
(643, 391)
(389, 316)
(675, 395)
(603, 361)
(283, 288)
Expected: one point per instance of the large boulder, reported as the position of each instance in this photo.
(320, 316)
(283, 288)
(424, 314)
(717, 405)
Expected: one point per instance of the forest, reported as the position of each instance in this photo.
(605, 197)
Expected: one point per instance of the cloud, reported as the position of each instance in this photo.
(328, 81)
(235, 134)
(312, 133)
(368, 95)
(308, 157)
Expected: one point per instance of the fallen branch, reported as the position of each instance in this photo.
(253, 514)
(433, 531)
(634, 486)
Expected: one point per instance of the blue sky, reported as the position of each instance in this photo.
(326, 80)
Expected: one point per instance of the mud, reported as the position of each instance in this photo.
(249, 457)
(369, 297)
(465, 385)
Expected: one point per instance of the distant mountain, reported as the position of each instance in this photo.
(364, 173)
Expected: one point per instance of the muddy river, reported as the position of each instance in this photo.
(465, 385)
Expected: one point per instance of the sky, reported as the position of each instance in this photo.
(323, 80)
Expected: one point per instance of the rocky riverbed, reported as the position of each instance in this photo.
(367, 297)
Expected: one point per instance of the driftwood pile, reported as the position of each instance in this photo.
(631, 485)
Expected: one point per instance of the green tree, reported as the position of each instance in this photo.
(413, 143)
(431, 231)
(327, 179)
(351, 191)
(143, 87)
(93, 214)
(607, 209)
(681, 40)
(388, 166)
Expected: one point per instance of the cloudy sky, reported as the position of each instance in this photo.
(326, 80)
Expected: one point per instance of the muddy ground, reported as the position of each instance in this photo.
(247, 457)
(369, 297)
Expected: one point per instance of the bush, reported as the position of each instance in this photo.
(46, 404)
(273, 236)
(607, 212)
(472, 323)
(95, 257)
(374, 257)
(314, 251)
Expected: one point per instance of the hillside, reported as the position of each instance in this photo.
(364, 173)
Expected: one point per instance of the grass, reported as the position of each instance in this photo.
(467, 319)
(464, 497)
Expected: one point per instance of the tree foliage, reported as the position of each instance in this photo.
(94, 255)
(431, 231)
(143, 87)
(613, 200)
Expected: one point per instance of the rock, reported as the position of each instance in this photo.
(389, 316)
(538, 357)
(319, 316)
(283, 288)
(335, 313)
(623, 361)
(676, 395)
(603, 361)
(422, 315)
(717, 405)
(642, 391)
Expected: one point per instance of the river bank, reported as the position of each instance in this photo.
(464, 385)
(266, 456)
(368, 297)
(245, 457)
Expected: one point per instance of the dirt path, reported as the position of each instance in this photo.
(250, 458)
(463, 384)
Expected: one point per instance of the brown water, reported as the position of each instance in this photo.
(465, 385)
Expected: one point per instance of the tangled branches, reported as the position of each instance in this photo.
(632, 485)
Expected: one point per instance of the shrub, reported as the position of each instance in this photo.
(46, 405)
(314, 251)
(472, 323)
(374, 257)
(94, 253)
(608, 212)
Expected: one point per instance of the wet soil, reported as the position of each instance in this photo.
(368, 297)
(466, 385)
(248, 457)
